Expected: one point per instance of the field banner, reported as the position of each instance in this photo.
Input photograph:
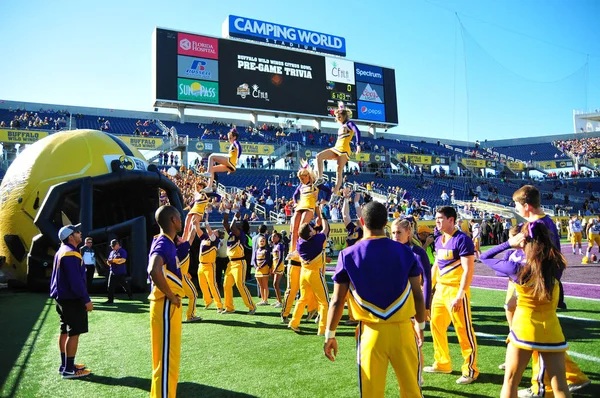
(21, 136)
(250, 149)
(147, 143)
(480, 164)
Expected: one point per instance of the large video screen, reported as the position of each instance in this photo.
(203, 71)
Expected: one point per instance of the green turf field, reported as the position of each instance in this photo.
(244, 356)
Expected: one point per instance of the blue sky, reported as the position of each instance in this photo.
(465, 69)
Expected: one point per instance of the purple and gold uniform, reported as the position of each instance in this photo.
(307, 195)
(183, 256)
(576, 229)
(355, 233)
(206, 271)
(293, 287)
(449, 250)
(312, 278)
(262, 259)
(425, 267)
(165, 321)
(540, 382)
(382, 301)
(535, 325)
(236, 272)
(68, 281)
(346, 132)
(200, 203)
(277, 267)
(235, 151)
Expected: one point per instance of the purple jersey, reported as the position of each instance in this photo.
(378, 271)
(449, 249)
(425, 267)
(163, 246)
(311, 251)
(355, 234)
(554, 235)
(118, 269)
(68, 280)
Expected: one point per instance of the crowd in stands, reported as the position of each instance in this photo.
(34, 120)
(584, 148)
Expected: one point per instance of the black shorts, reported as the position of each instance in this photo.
(73, 317)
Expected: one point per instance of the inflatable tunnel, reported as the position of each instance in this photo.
(81, 176)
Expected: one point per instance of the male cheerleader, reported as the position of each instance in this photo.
(528, 205)
(385, 285)
(355, 233)
(183, 256)
(476, 236)
(451, 301)
(209, 245)
(575, 231)
(165, 304)
(218, 163)
(311, 249)
(236, 270)
(593, 234)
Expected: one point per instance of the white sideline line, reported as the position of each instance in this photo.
(572, 353)
(564, 283)
(504, 290)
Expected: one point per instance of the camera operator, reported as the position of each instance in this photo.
(427, 239)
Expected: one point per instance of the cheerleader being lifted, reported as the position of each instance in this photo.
(341, 151)
(306, 200)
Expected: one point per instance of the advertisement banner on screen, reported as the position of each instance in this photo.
(414, 159)
(368, 73)
(268, 32)
(197, 91)
(269, 78)
(371, 111)
(197, 68)
(477, 163)
(197, 46)
(369, 92)
(339, 70)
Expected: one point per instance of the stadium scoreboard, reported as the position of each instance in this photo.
(200, 71)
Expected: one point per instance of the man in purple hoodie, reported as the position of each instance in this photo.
(68, 288)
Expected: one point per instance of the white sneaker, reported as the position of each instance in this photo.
(431, 369)
(277, 305)
(207, 190)
(262, 303)
(207, 175)
(502, 367)
(528, 393)
(311, 315)
(295, 329)
(577, 387)
(465, 380)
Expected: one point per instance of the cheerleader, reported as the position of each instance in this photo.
(277, 267)
(341, 151)
(219, 163)
(196, 213)
(262, 260)
(305, 197)
(535, 271)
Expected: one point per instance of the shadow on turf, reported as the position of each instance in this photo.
(184, 389)
(21, 310)
(123, 306)
(262, 325)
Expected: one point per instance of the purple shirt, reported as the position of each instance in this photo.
(350, 125)
(554, 235)
(355, 233)
(183, 251)
(459, 245)
(68, 280)
(425, 266)
(118, 269)
(311, 248)
(378, 268)
(164, 247)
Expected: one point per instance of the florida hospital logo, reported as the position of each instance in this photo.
(185, 44)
